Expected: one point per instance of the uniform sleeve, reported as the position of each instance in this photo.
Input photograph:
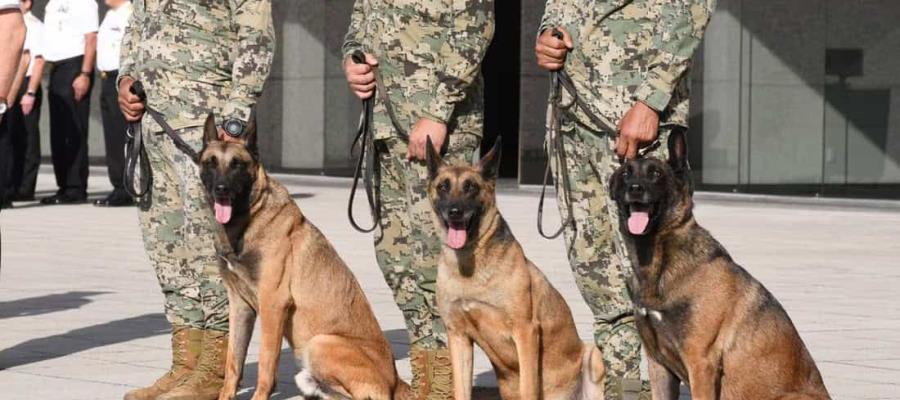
(353, 40)
(471, 31)
(681, 27)
(552, 15)
(128, 50)
(254, 49)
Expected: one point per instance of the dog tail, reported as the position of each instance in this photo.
(403, 391)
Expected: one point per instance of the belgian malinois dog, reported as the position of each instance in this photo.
(282, 268)
(489, 293)
(703, 319)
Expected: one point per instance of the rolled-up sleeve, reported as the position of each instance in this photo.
(254, 49)
(681, 27)
(471, 32)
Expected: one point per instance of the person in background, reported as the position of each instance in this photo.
(25, 112)
(70, 44)
(109, 44)
(12, 36)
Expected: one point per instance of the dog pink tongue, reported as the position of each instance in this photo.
(223, 211)
(456, 238)
(637, 222)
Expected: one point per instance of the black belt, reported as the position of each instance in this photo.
(367, 153)
(135, 153)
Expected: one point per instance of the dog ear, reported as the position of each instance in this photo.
(210, 131)
(678, 151)
(250, 135)
(432, 159)
(490, 163)
(615, 183)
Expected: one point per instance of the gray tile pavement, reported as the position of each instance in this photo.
(81, 311)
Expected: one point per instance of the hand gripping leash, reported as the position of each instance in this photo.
(136, 155)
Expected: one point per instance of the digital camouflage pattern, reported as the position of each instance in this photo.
(407, 245)
(632, 50)
(199, 57)
(193, 58)
(624, 51)
(429, 54)
(180, 235)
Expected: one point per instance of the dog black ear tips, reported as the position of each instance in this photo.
(678, 151)
(490, 163)
(432, 158)
(210, 131)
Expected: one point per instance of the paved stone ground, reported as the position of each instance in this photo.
(81, 310)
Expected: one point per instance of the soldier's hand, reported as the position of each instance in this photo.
(27, 104)
(639, 127)
(360, 76)
(418, 138)
(550, 51)
(131, 105)
(80, 86)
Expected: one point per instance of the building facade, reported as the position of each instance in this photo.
(799, 96)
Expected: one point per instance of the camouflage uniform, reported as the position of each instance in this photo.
(624, 51)
(429, 54)
(193, 58)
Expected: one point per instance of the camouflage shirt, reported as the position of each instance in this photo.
(196, 57)
(631, 50)
(429, 52)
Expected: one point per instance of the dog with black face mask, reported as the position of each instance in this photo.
(489, 293)
(282, 268)
(702, 318)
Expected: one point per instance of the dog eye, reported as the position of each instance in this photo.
(237, 164)
(468, 187)
(655, 174)
(444, 186)
(211, 162)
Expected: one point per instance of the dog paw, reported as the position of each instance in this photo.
(308, 386)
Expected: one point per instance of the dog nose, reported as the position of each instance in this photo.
(454, 213)
(221, 188)
(636, 189)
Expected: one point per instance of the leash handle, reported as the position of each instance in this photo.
(557, 33)
(365, 162)
(358, 57)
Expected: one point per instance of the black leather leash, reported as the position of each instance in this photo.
(365, 139)
(136, 155)
(561, 81)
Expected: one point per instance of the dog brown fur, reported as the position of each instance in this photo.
(703, 319)
(490, 294)
(283, 269)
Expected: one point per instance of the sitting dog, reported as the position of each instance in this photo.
(703, 319)
(489, 293)
(284, 269)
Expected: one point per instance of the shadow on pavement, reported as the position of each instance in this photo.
(45, 304)
(81, 339)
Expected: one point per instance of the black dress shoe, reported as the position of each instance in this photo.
(4, 204)
(23, 197)
(62, 198)
(115, 199)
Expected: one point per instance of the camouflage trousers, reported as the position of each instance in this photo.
(180, 237)
(598, 255)
(407, 246)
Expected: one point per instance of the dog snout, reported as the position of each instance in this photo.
(636, 189)
(454, 213)
(220, 189)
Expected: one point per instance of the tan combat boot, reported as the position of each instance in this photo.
(206, 381)
(432, 373)
(185, 351)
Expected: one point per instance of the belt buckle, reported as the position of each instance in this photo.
(103, 75)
